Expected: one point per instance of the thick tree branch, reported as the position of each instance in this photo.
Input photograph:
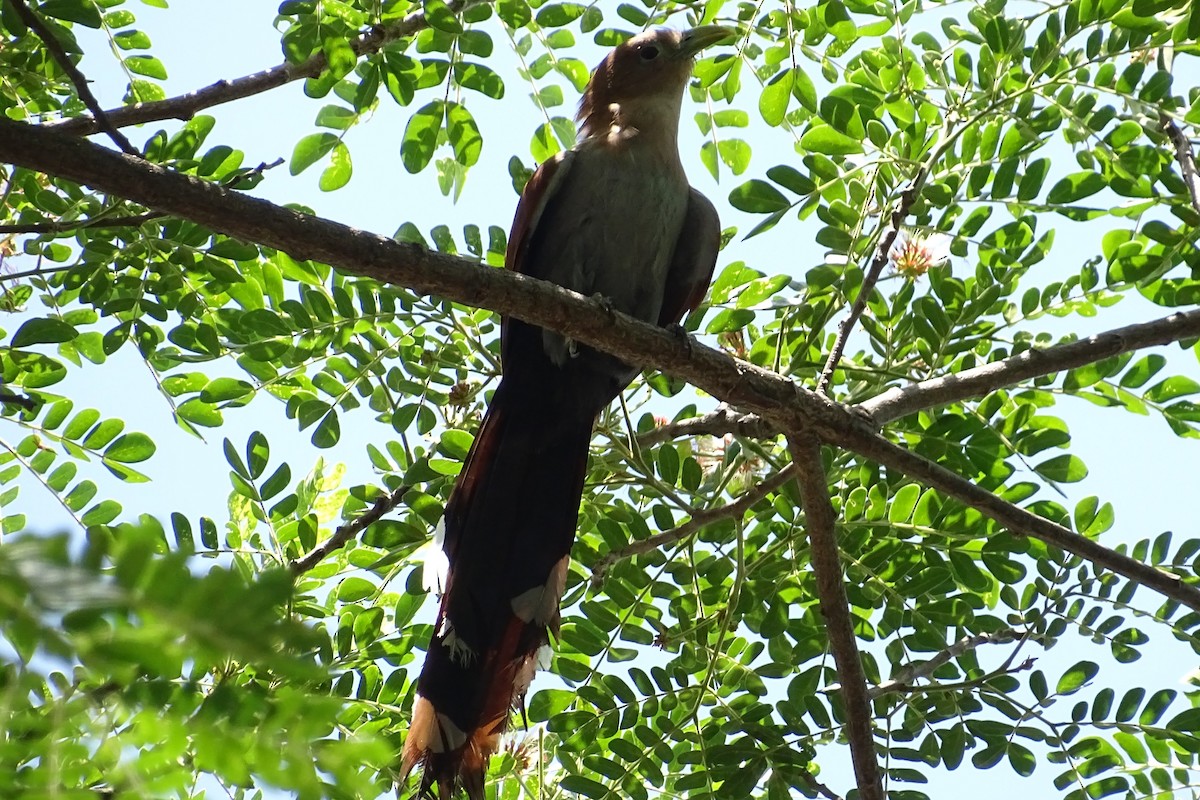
(781, 403)
(346, 532)
(103, 123)
(820, 526)
(185, 106)
(693, 525)
(901, 401)
(905, 676)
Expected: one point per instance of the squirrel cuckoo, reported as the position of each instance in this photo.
(613, 216)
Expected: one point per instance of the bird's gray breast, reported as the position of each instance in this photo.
(616, 221)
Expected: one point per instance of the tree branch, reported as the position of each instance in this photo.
(901, 401)
(780, 402)
(60, 226)
(698, 521)
(1184, 157)
(185, 106)
(1022, 522)
(35, 24)
(348, 531)
(907, 199)
(718, 422)
(820, 526)
(905, 677)
(36, 272)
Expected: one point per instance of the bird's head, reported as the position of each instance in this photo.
(641, 82)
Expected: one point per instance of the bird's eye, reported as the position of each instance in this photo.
(648, 53)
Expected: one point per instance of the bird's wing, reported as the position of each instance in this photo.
(694, 260)
(541, 187)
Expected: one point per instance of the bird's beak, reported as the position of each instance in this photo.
(697, 39)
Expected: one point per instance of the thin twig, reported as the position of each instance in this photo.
(901, 401)
(348, 531)
(1184, 156)
(36, 272)
(882, 253)
(185, 106)
(906, 676)
(719, 422)
(820, 526)
(248, 179)
(698, 521)
(62, 226)
(35, 24)
(783, 404)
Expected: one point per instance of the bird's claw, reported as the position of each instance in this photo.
(681, 333)
(606, 304)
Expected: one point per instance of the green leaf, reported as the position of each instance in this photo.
(804, 89)
(822, 138)
(131, 40)
(146, 65)
(463, 134)
(43, 330)
(197, 412)
(258, 454)
(1143, 370)
(735, 154)
(102, 513)
(337, 174)
(82, 11)
(578, 784)
(903, 503)
(484, 79)
(554, 15)
(353, 589)
(1074, 678)
(441, 17)
(773, 101)
(1032, 180)
(340, 57)
(220, 390)
(1065, 468)
(420, 136)
(1169, 389)
(310, 150)
(791, 179)
(1075, 187)
(1021, 759)
(130, 448)
(549, 702)
(758, 197)
(337, 117)
(515, 13)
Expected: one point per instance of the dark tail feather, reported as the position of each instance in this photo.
(510, 524)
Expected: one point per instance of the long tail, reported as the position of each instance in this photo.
(510, 524)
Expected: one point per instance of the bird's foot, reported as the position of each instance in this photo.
(606, 304)
(681, 333)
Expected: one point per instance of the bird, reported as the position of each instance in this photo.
(613, 216)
